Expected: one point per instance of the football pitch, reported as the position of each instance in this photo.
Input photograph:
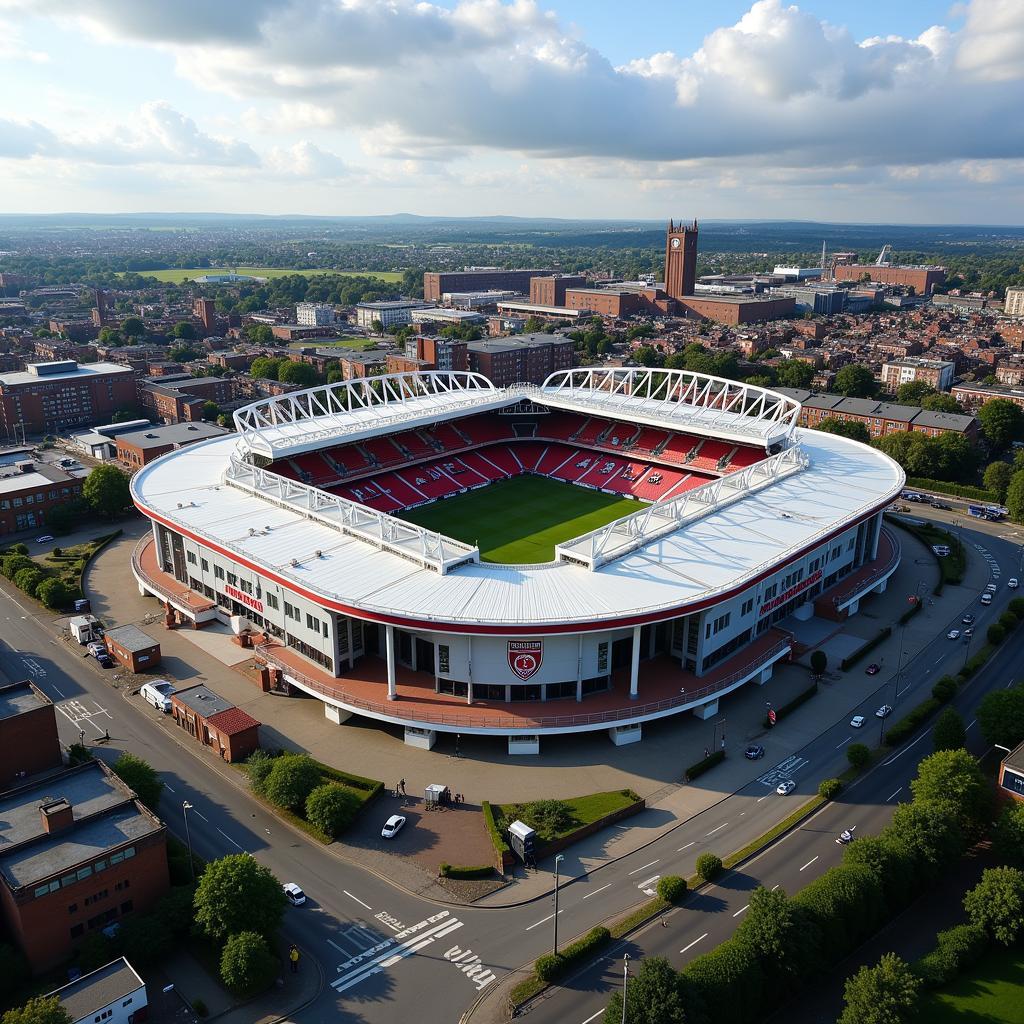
(519, 521)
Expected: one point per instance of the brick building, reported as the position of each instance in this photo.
(133, 648)
(74, 330)
(141, 447)
(28, 733)
(526, 359)
(182, 400)
(80, 852)
(438, 353)
(733, 310)
(1011, 773)
(939, 373)
(215, 722)
(489, 279)
(681, 259)
(973, 396)
(550, 291)
(205, 311)
(51, 397)
(29, 490)
(921, 279)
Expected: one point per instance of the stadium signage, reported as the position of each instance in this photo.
(243, 598)
(525, 657)
(788, 595)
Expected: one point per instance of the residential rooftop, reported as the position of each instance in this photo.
(172, 433)
(93, 992)
(20, 698)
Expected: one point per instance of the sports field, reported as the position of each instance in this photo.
(519, 521)
(179, 274)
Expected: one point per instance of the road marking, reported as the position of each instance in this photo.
(760, 798)
(357, 899)
(686, 847)
(775, 886)
(168, 788)
(891, 795)
(643, 885)
(636, 871)
(229, 839)
(885, 764)
(199, 814)
(683, 950)
(719, 829)
(340, 949)
(969, 727)
(596, 1015)
(596, 891)
(740, 911)
(843, 744)
(541, 921)
(810, 862)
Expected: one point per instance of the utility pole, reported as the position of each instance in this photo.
(185, 808)
(554, 946)
(625, 982)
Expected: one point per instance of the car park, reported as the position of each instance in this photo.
(293, 894)
(884, 711)
(45, 539)
(953, 634)
(753, 752)
(392, 826)
(785, 787)
(857, 721)
(158, 693)
(1012, 583)
(873, 669)
(967, 619)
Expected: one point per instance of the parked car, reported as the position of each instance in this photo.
(293, 894)
(392, 826)
(96, 648)
(1012, 583)
(990, 588)
(158, 693)
(754, 752)
(967, 619)
(953, 634)
(105, 660)
(45, 539)
(986, 598)
(857, 721)
(884, 711)
(942, 505)
(873, 669)
(785, 787)
(968, 632)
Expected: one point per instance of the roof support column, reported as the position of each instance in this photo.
(579, 670)
(389, 644)
(634, 669)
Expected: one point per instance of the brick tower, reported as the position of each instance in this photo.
(680, 259)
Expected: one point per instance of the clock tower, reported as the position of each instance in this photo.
(680, 259)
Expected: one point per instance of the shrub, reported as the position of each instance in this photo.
(332, 808)
(472, 872)
(830, 788)
(247, 966)
(672, 888)
(57, 552)
(501, 847)
(291, 779)
(54, 593)
(550, 818)
(1016, 607)
(698, 769)
(141, 777)
(200, 1007)
(13, 564)
(944, 689)
(549, 966)
(858, 755)
(709, 866)
(792, 705)
(819, 662)
(910, 722)
(995, 633)
(18, 549)
(258, 766)
(27, 580)
(956, 949)
(1008, 621)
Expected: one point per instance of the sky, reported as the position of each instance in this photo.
(905, 111)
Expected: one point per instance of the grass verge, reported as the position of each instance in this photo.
(953, 565)
(992, 990)
(582, 810)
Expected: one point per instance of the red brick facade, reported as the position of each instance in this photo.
(921, 279)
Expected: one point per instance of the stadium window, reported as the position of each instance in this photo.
(289, 611)
(312, 623)
(191, 557)
(272, 601)
(748, 607)
(205, 564)
(218, 572)
(245, 586)
(232, 579)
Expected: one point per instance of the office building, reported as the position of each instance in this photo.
(921, 279)
(478, 280)
(550, 291)
(1013, 305)
(314, 314)
(525, 359)
(388, 313)
(936, 372)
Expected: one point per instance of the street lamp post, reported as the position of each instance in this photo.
(625, 982)
(558, 860)
(185, 808)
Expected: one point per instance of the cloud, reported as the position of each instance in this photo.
(22, 139)
(305, 160)
(13, 47)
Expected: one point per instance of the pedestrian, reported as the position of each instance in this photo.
(707, 753)
(402, 786)
(293, 957)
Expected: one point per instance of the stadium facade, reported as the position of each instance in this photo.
(291, 530)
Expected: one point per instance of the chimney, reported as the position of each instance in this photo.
(57, 815)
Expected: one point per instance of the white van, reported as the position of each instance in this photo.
(158, 694)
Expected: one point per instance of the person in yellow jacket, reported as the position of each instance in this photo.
(293, 958)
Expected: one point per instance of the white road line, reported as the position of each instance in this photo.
(199, 814)
(810, 862)
(683, 950)
(719, 829)
(357, 899)
(168, 788)
(540, 922)
(230, 840)
(596, 891)
(885, 764)
(596, 1015)
(775, 886)
(843, 744)
(763, 798)
(969, 727)
(891, 795)
(686, 847)
(646, 882)
(740, 911)
(341, 949)
(637, 871)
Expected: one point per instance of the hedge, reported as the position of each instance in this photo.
(920, 483)
(830, 788)
(865, 648)
(944, 689)
(709, 866)
(497, 839)
(800, 698)
(552, 966)
(956, 949)
(911, 721)
(704, 765)
(455, 871)
(911, 612)
(372, 786)
(672, 888)
(977, 662)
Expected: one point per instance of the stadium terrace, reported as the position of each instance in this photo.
(427, 550)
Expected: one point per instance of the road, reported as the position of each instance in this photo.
(384, 950)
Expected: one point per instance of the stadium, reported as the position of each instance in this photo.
(430, 551)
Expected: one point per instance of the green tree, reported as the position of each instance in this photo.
(795, 374)
(211, 410)
(779, 934)
(950, 733)
(247, 965)
(184, 353)
(332, 808)
(377, 326)
(144, 940)
(15, 563)
(291, 779)
(647, 355)
(954, 776)
(184, 330)
(855, 381)
(997, 479)
(884, 994)
(709, 866)
(892, 863)
(141, 777)
(1000, 715)
(653, 996)
(914, 392)
(996, 904)
(1002, 422)
(38, 1010)
(858, 755)
(106, 491)
(259, 334)
(266, 368)
(852, 429)
(930, 831)
(1008, 834)
(28, 579)
(1015, 495)
(942, 403)
(672, 888)
(258, 766)
(726, 983)
(819, 662)
(133, 327)
(298, 373)
(236, 894)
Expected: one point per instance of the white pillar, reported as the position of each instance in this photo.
(389, 636)
(351, 651)
(634, 669)
(469, 693)
(579, 670)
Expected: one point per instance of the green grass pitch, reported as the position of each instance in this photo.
(519, 521)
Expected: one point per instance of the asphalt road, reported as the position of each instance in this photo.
(388, 955)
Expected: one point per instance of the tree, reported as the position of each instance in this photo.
(672, 888)
(1000, 715)
(1002, 422)
(246, 965)
(258, 766)
(914, 392)
(855, 381)
(266, 368)
(332, 808)
(298, 373)
(184, 330)
(954, 776)
(795, 374)
(777, 931)
(930, 831)
(28, 579)
(38, 1010)
(259, 334)
(141, 777)
(892, 863)
(996, 904)
(852, 429)
(106, 490)
(884, 994)
(291, 779)
(1015, 496)
(647, 355)
(236, 894)
(211, 410)
(709, 866)
(942, 403)
(858, 755)
(1008, 834)
(654, 995)
(184, 353)
(377, 326)
(997, 479)
(132, 327)
(950, 733)
(819, 662)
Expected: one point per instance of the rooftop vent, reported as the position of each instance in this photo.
(56, 815)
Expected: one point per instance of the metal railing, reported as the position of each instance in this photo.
(866, 582)
(182, 595)
(390, 709)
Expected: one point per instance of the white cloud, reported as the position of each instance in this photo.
(305, 160)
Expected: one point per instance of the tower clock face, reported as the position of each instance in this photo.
(675, 243)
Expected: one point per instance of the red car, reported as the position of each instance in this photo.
(873, 669)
